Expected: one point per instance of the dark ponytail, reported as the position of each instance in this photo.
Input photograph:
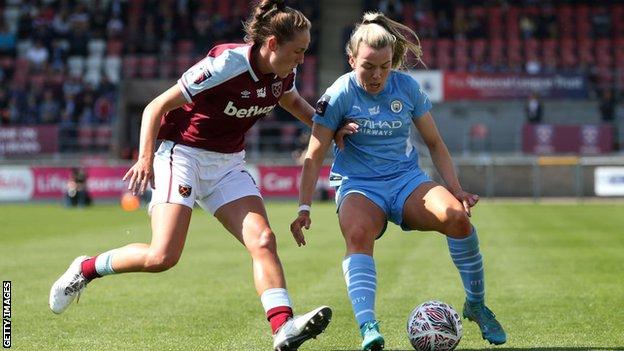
(273, 17)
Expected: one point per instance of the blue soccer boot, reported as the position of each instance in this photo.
(491, 330)
(372, 338)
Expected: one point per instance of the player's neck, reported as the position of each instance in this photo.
(261, 55)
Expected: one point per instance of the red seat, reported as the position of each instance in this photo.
(477, 49)
(182, 64)
(130, 66)
(103, 136)
(114, 48)
(185, 47)
(427, 48)
(148, 66)
(85, 137)
(308, 78)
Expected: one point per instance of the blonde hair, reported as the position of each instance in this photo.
(273, 17)
(378, 31)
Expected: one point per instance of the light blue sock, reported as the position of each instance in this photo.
(467, 258)
(361, 278)
(104, 263)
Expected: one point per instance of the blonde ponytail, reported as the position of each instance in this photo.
(378, 31)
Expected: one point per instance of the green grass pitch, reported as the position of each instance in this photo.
(554, 277)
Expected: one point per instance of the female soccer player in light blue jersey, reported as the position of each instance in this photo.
(378, 176)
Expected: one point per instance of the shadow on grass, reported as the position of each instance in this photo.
(621, 348)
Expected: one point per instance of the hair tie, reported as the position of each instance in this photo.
(280, 5)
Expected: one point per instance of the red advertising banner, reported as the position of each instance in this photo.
(484, 86)
(102, 182)
(283, 181)
(585, 139)
(20, 183)
(28, 140)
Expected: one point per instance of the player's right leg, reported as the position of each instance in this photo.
(170, 209)
(361, 221)
(169, 228)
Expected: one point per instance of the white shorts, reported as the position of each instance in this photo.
(184, 174)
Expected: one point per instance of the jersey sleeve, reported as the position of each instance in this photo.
(422, 103)
(209, 73)
(332, 106)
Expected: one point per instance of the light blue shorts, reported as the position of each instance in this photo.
(389, 194)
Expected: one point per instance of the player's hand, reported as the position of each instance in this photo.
(467, 199)
(347, 129)
(140, 175)
(296, 227)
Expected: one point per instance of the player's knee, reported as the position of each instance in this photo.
(458, 224)
(266, 242)
(160, 261)
(358, 239)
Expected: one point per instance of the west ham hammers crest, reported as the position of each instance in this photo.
(185, 190)
(276, 88)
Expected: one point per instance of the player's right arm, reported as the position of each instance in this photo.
(329, 114)
(141, 174)
(320, 140)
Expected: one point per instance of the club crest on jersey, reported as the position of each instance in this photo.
(184, 190)
(321, 104)
(276, 88)
(204, 74)
(396, 106)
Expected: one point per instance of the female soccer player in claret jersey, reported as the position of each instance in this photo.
(378, 175)
(202, 121)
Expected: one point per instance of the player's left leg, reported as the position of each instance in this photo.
(246, 219)
(433, 207)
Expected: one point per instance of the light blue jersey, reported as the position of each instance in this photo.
(384, 145)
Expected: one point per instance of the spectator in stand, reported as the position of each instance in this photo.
(37, 55)
(76, 194)
(601, 22)
(607, 108)
(60, 24)
(7, 41)
(49, 108)
(4, 107)
(14, 109)
(533, 109)
(31, 113)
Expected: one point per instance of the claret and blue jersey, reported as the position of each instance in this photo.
(384, 145)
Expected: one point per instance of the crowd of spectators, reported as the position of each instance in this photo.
(518, 36)
(61, 61)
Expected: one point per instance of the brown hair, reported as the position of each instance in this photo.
(273, 17)
(378, 31)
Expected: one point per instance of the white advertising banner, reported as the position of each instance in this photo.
(609, 181)
(431, 83)
(16, 183)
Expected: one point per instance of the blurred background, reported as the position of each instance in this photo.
(527, 94)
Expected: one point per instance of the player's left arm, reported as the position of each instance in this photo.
(292, 102)
(442, 160)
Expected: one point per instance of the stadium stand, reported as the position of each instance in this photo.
(63, 62)
(518, 36)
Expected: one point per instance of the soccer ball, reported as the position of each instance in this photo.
(434, 326)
